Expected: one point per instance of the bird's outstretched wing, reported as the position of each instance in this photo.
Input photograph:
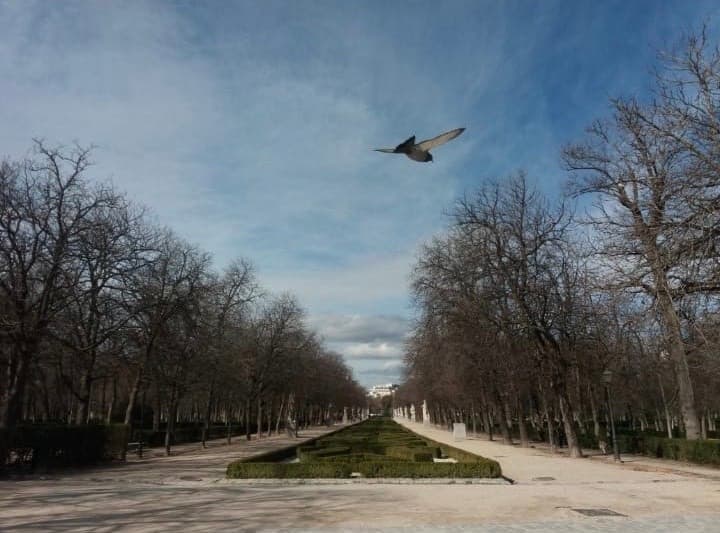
(385, 150)
(429, 144)
(407, 143)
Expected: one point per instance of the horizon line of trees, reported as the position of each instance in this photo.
(105, 315)
(523, 305)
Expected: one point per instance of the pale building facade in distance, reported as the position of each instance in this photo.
(378, 391)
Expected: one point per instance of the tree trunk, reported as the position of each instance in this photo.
(474, 419)
(46, 397)
(594, 412)
(259, 417)
(508, 413)
(550, 425)
(157, 407)
(487, 421)
(668, 422)
(279, 415)
(247, 419)
(522, 427)
(504, 429)
(111, 404)
(170, 426)
(676, 348)
(83, 398)
(570, 433)
(208, 408)
(133, 395)
(11, 398)
(103, 398)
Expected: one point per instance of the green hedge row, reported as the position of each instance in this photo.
(310, 453)
(693, 451)
(387, 438)
(273, 456)
(480, 469)
(705, 452)
(376, 448)
(374, 437)
(360, 458)
(420, 453)
(285, 453)
(461, 456)
(241, 470)
(379, 469)
(45, 445)
(184, 435)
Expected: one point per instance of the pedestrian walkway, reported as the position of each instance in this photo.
(192, 462)
(188, 462)
(187, 492)
(538, 465)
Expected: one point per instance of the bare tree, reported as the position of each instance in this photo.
(108, 254)
(163, 287)
(642, 182)
(45, 207)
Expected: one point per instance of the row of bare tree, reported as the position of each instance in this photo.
(523, 305)
(101, 311)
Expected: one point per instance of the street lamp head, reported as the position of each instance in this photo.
(607, 376)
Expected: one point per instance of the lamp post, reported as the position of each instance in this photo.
(607, 379)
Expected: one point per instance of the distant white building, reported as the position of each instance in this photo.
(378, 391)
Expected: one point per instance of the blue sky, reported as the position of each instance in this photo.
(248, 126)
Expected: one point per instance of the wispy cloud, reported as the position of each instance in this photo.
(361, 328)
(248, 127)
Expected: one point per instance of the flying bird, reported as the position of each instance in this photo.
(421, 151)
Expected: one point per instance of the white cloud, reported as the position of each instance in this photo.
(372, 350)
(347, 287)
(361, 328)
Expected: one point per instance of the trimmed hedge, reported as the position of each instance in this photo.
(273, 456)
(706, 452)
(375, 448)
(421, 453)
(241, 470)
(54, 445)
(306, 453)
(355, 458)
(375, 469)
(460, 455)
(486, 468)
(183, 435)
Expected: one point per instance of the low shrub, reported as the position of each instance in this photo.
(370, 469)
(693, 451)
(183, 435)
(461, 456)
(315, 453)
(480, 469)
(423, 453)
(588, 441)
(706, 452)
(375, 449)
(273, 456)
(355, 458)
(241, 470)
(55, 445)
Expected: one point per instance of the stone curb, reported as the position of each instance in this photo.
(369, 481)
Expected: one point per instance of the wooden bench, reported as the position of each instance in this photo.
(136, 447)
